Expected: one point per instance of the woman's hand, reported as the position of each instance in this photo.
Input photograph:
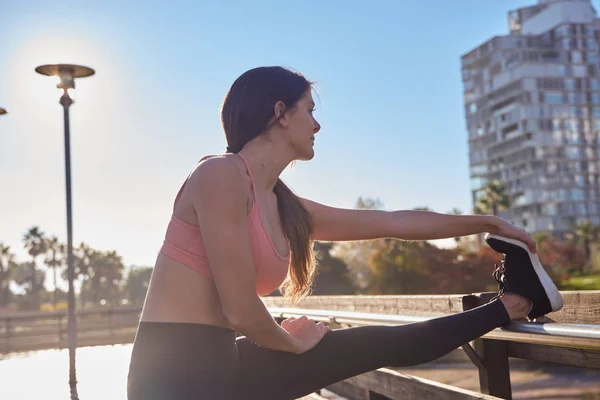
(506, 229)
(305, 332)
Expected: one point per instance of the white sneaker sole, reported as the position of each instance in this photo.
(556, 300)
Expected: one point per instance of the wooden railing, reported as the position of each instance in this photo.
(28, 331)
(570, 336)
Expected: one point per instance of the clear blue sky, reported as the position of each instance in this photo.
(390, 107)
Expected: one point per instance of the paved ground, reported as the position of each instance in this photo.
(529, 380)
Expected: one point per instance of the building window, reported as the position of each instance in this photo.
(573, 153)
(592, 58)
(579, 70)
(466, 73)
(576, 57)
(577, 195)
(569, 84)
(551, 56)
(478, 183)
(573, 137)
(558, 138)
(593, 84)
(590, 44)
(556, 124)
(578, 112)
(562, 70)
(512, 60)
(553, 98)
(563, 30)
(589, 30)
(550, 209)
(572, 98)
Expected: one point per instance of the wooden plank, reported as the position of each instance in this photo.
(567, 356)
(581, 307)
(348, 390)
(494, 377)
(396, 385)
(423, 305)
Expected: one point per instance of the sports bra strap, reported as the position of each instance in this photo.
(207, 157)
(251, 177)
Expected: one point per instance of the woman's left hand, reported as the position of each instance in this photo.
(506, 229)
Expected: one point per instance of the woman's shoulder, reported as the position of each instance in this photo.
(221, 172)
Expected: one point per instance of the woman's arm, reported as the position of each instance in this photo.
(337, 224)
(220, 204)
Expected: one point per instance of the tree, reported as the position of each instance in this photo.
(31, 280)
(82, 260)
(356, 254)
(35, 244)
(55, 259)
(136, 284)
(332, 274)
(494, 198)
(107, 273)
(399, 267)
(585, 234)
(560, 258)
(7, 268)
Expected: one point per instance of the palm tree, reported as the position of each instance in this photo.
(83, 257)
(31, 280)
(585, 234)
(494, 199)
(55, 259)
(36, 245)
(7, 267)
(107, 275)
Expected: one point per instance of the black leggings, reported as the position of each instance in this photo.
(179, 361)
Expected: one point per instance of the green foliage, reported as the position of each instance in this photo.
(494, 198)
(591, 282)
(332, 273)
(136, 285)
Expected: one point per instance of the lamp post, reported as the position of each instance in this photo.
(67, 74)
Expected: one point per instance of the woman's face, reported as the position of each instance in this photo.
(302, 126)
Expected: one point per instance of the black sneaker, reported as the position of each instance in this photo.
(522, 273)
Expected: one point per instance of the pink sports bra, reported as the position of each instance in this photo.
(183, 243)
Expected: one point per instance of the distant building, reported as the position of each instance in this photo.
(532, 106)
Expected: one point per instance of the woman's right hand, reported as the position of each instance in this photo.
(305, 332)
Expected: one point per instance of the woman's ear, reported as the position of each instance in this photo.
(279, 113)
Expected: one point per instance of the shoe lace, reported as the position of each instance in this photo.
(498, 275)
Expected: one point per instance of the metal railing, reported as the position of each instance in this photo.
(552, 334)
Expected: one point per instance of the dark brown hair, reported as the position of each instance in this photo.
(247, 110)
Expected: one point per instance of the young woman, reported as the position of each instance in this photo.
(238, 232)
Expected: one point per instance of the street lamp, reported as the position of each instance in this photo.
(67, 74)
